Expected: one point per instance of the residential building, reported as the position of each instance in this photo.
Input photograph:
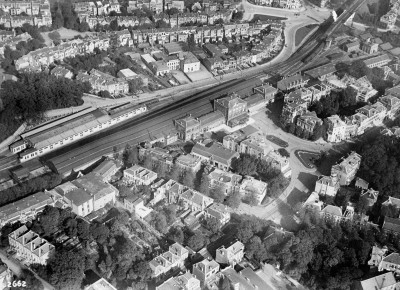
(127, 74)
(308, 122)
(219, 212)
(104, 82)
(336, 129)
(231, 255)
(25, 209)
(102, 193)
(327, 185)
(385, 281)
(251, 186)
(173, 258)
(61, 72)
(80, 201)
(377, 61)
(189, 63)
(377, 255)
(391, 225)
(188, 128)
(92, 281)
(292, 82)
(136, 206)
(292, 109)
(392, 105)
(333, 213)
(352, 46)
(370, 195)
(233, 108)
(370, 47)
(192, 199)
(182, 282)
(29, 246)
(390, 263)
(392, 201)
(228, 181)
(215, 154)
(346, 170)
(139, 175)
(206, 271)
(189, 162)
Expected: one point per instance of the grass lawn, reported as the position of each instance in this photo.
(302, 33)
(307, 158)
(266, 17)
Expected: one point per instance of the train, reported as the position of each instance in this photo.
(69, 129)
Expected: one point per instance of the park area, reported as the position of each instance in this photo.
(302, 33)
(307, 158)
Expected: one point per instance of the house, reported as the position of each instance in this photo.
(377, 61)
(190, 63)
(185, 281)
(29, 246)
(377, 255)
(216, 154)
(250, 186)
(385, 281)
(327, 185)
(370, 195)
(61, 72)
(231, 255)
(189, 162)
(391, 225)
(137, 207)
(25, 209)
(336, 129)
(233, 108)
(352, 46)
(392, 201)
(219, 212)
(347, 169)
(206, 271)
(308, 122)
(292, 82)
(102, 193)
(390, 263)
(174, 258)
(192, 199)
(333, 213)
(370, 47)
(228, 181)
(188, 128)
(92, 281)
(139, 175)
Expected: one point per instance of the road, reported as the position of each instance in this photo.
(16, 267)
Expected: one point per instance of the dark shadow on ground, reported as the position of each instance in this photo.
(287, 221)
(297, 196)
(274, 111)
(218, 136)
(308, 180)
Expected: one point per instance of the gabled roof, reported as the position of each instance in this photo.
(216, 151)
(379, 282)
(393, 258)
(333, 210)
(391, 224)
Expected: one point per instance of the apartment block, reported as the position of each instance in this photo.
(29, 246)
(174, 258)
(231, 255)
(139, 175)
(206, 271)
(347, 169)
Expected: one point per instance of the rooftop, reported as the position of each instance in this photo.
(382, 281)
(321, 71)
(216, 151)
(391, 224)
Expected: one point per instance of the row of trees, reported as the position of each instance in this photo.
(33, 94)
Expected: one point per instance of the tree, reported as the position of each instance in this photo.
(135, 85)
(197, 241)
(191, 42)
(212, 224)
(251, 198)
(175, 173)
(189, 178)
(319, 131)
(283, 152)
(176, 234)
(225, 284)
(205, 185)
(99, 232)
(218, 193)
(49, 220)
(83, 232)
(66, 269)
(30, 279)
(159, 221)
(83, 26)
(277, 186)
(54, 35)
(234, 199)
(114, 25)
(148, 162)
(170, 213)
(105, 94)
